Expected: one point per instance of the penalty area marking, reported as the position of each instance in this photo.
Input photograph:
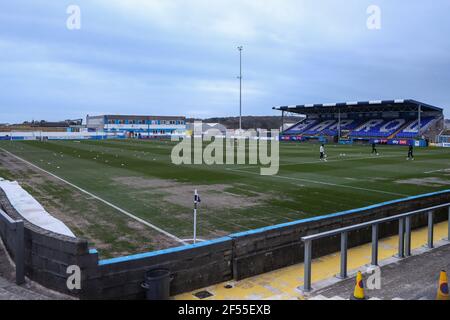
(329, 159)
(100, 199)
(340, 159)
(323, 183)
(440, 170)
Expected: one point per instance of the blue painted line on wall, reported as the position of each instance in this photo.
(333, 215)
(161, 252)
(260, 230)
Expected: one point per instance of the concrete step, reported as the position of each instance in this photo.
(28, 291)
(322, 297)
(10, 291)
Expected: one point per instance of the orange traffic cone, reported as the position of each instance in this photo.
(358, 294)
(442, 293)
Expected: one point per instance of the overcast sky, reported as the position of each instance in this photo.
(179, 57)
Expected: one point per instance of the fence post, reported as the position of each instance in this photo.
(408, 236)
(20, 252)
(307, 266)
(375, 245)
(430, 244)
(401, 238)
(344, 242)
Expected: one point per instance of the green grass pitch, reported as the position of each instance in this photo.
(138, 177)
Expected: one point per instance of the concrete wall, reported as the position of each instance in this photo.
(193, 266)
(47, 254)
(236, 256)
(56, 135)
(8, 236)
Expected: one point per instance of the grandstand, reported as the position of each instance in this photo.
(387, 121)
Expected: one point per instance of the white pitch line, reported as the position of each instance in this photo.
(324, 183)
(333, 160)
(100, 199)
(440, 170)
(346, 158)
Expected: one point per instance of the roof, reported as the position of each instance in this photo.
(361, 106)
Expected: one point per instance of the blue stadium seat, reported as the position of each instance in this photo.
(379, 128)
(301, 127)
(412, 128)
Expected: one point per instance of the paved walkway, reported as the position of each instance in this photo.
(285, 283)
(414, 278)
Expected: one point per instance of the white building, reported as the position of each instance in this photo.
(138, 126)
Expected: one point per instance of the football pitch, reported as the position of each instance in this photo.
(125, 196)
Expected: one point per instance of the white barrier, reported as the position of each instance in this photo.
(41, 135)
(234, 137)
(31, 210)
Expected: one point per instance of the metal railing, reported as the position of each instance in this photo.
(17, 227)
(404, 242)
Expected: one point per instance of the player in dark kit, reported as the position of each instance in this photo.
(374, 149)
(410, 152)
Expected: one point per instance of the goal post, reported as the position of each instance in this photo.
(25, 135)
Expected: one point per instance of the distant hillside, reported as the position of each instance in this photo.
(251, 122)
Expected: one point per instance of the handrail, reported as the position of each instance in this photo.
(369, 223)
(19, 246)
(404, 242)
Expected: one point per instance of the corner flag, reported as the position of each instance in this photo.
(197, 198)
